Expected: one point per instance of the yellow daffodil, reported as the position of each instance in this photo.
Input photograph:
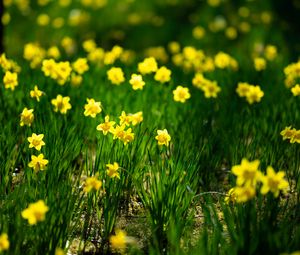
(27, 117)
(61, 104)
(92, 108)
(38, 162)
(163, 137)
(273, 182)
(36, 141)
(35, 212)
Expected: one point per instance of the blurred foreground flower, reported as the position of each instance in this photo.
(35, 212)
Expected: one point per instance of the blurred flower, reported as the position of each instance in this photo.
(36, 93)
(136, 81)
(112, 170)
(211, 89)
(136, 118)
(260, 64)
(43, 19)
(198, 32)
(38, 162)
(120, 240)
(4, 242)
(35, 212)
(163, 75)
(244, 193)
(181, 94)
(61, 104)
(247, 172)
(92, 108)
(163, 137)
(107, 126)
(80, 65)
(36, 141)
(115, 75)
(149, 65)
(27, 117)
(296, 90)
(288, 133)
(92, 183)
(10, 80)
(273, 182)
(254, 94)
(270, 52)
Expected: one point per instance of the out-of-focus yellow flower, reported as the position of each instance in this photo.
(230, 196)
(61, 104)
(244, 193)
(58, 22)
(247, 172)
(211, 89)
(125, 119)
(36, 93)
(5, 19)
(118, 241)
(128, 136)
(27, 117)
(43, 20)
(113, 170)
(163, 75)
(174, 47)
(163, 137)
(36, 141)
(181, 94)
(273, 182)
(118, 132)
(254, 94)
(260, 64)
(288, 133)
(38, 163)
(92, 108)
(198, 32)
(59, 251)
(115, 75)
(10, 80)
(296, 90)
(4, 242)
(92, 183)
(89, 45)
(76, 80)
(80, 65)
(214, 3)
(53, 52)
(136, 118)
(270, 52)
(242, 89)
(231, 33)
(295, 137)
(107, 126)
(35, 212)
(149, 65)
(137, 82)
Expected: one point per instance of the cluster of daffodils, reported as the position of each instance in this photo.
(121, 131)
(190, 58)
(248, 178)
(292, 74)
(223, 60)
(260, 61)
(64, 71)
(8, 64)
(58, 71)
(252, 93)
(210, 88)
(99, 56)
(291, 134)
(38, 163)
(93, 183)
